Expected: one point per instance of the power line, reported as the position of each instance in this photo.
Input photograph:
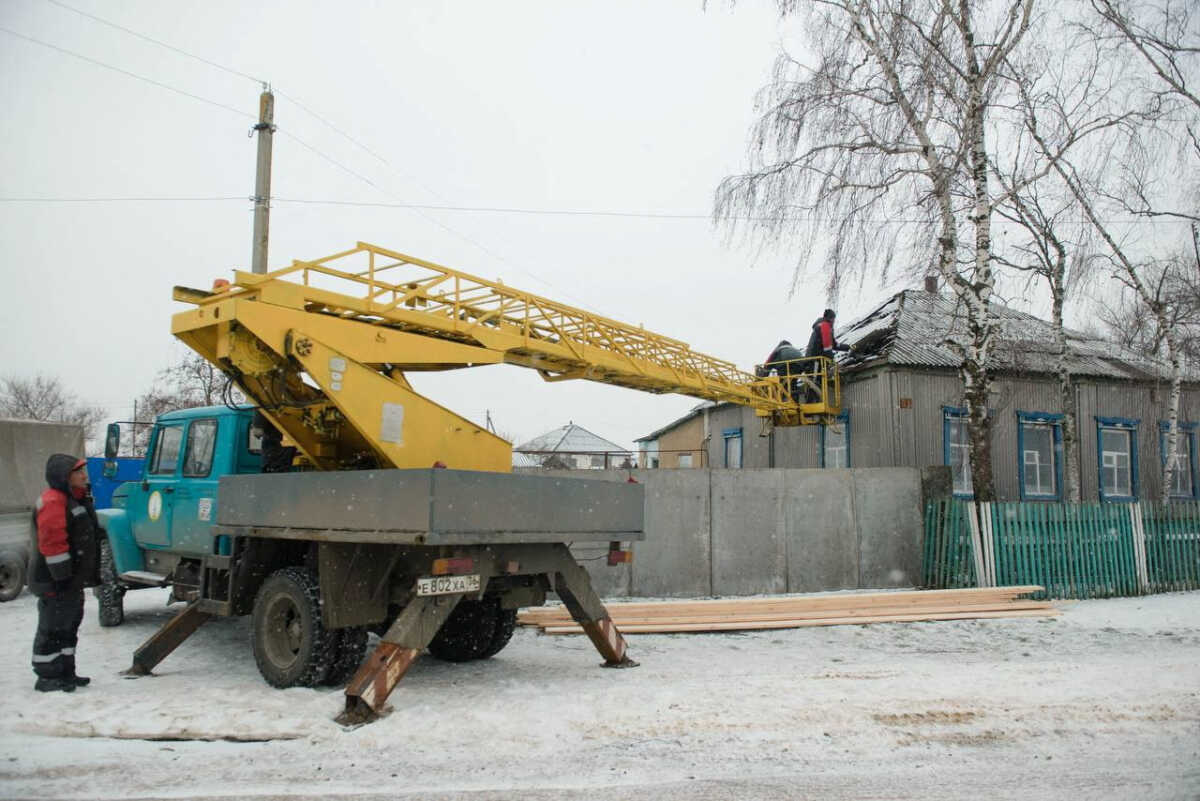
(152, 40)
(330, 159)
(107, 66)
(332, 127)
(510, 210)
(120, 199)
(495, 209)
(300, 105)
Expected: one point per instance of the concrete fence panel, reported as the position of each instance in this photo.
(749, 551)
(675, 559)
(820, 530)
(757, 531)
(890, 518)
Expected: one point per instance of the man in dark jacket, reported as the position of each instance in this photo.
(823, 342)
(777, 360)
(65, 558)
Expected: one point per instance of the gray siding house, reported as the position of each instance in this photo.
(903, 407)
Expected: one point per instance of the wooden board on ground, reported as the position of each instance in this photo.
(744, 614)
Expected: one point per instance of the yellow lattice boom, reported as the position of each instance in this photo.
(397, 313)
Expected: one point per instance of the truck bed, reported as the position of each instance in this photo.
(429, 507)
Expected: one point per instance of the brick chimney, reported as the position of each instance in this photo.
(931, 284)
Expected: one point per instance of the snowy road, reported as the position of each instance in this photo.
(1102, 702)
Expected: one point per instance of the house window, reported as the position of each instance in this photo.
(1039, 449)
(733, 447)
(956, 449)
(685, 460)
(1116, 445)
(1183, 461)
(835, 442)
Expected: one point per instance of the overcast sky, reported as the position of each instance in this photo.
(604, 106)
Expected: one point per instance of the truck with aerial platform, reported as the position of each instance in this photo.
(395, 515)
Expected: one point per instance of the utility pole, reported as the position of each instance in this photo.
(262, 180)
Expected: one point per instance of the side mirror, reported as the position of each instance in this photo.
(112, 443)
(110, 468)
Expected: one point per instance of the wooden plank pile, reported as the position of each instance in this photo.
(786, 612)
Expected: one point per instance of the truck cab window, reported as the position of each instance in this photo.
(197, 460)
(166, 449)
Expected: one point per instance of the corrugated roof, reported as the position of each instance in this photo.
(915, 328)
(571, 439)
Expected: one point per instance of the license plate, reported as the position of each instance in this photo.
(447, 585)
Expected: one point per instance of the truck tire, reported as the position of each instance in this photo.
(467, 633)
(291, 645)
(12, 573)
(350, 646)
(110, 595)
(506, 624)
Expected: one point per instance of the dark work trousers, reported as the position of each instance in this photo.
(59, 616)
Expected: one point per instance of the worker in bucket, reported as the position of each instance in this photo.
(65, 558)
(822, 342)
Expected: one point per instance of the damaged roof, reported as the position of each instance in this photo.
(914, 328)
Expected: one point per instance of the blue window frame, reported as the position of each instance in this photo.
(733, 446)
(1184, 480)
(956, 450)
(1039, 455)
(835, 442)
(1117, 458)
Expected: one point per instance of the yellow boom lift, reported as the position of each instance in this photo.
(439, 558)
(323, 347)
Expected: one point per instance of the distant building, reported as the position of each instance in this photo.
(680, 443)
(903, 406)
(571, 447)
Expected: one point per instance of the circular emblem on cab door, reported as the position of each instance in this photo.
(154, 508)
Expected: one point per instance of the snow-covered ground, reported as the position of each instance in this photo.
(1102, 702)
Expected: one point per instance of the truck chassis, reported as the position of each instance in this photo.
(403, 553)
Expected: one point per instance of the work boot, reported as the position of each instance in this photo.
(45, 685)
(80, 681)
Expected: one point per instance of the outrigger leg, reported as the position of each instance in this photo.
(413, 630)
(167, 639)
(575, 588)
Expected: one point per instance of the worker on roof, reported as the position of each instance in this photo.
(823, 342)
(65, 558)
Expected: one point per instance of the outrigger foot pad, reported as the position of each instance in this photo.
(625, 662)
(355, 714)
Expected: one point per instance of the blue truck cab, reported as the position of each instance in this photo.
(160, 527)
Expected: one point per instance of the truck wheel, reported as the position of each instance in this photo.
(506, 624)
(350, 646)
(467, 633)
(291, 645)
(110, 595)
(12, 574)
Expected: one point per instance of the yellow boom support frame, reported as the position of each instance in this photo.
(353, 323)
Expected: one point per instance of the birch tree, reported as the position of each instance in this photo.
(1162, 37)
(1070, 97)
(889, 121)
